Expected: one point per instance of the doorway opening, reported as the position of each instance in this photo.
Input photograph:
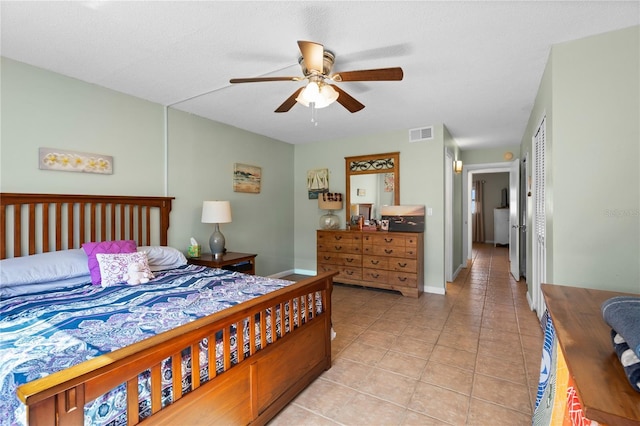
(471, 173)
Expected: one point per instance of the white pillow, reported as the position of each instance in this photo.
(163, 257)
(44, 267)
(113, 266)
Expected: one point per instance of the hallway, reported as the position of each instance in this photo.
(470, 357)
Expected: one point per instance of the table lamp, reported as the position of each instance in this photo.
(216, 212)
(330, 201)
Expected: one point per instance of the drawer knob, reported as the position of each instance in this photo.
(388, 240)
(348, 272)
(402, 279)
(338, 237)
(375, 262)
(375, 275)
(402, 265)
(326, 257)
(338, 247)
(349, 260)
(388, 251)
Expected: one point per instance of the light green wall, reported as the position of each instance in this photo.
(542, 108)
(421, 182)
(590, 94)
(595, 150)
(201, 158)
(44, 109)
(491, 155)
(456, 262)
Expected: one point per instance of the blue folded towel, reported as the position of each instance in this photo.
(630, 362)
(622, 313)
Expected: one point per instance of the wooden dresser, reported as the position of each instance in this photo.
(388, 260)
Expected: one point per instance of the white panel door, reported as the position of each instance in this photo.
(514, 218)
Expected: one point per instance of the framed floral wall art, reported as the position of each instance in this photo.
(73, 161)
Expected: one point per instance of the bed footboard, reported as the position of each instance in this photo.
(289, 345)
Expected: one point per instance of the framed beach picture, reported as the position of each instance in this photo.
(246, 178)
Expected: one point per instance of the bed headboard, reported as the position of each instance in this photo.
(38, 223)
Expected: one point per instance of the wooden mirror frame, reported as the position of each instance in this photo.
(371, 164)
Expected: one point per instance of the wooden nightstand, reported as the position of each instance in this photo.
(240, 262)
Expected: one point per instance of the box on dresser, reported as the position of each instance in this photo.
(387, 260)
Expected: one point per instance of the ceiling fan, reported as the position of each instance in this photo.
(317, 63)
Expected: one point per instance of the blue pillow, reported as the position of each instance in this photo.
(45, 267)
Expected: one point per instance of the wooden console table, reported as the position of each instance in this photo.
(584, 337)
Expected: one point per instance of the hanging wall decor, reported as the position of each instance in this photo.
(72, 161)
(317, 182)
(246, 178)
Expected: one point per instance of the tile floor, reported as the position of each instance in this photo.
(470, 357)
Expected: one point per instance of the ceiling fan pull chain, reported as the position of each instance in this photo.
(314, 113)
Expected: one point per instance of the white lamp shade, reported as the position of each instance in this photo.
(216, 212)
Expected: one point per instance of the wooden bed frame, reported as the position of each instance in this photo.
(251, 391)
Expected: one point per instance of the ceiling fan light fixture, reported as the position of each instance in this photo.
(321, 95)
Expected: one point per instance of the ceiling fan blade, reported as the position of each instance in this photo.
(312, 54)
(347, 101)
(290, 102)
(260, 79)
(380, 74)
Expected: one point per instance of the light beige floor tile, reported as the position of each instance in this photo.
(501, 392)
(453, 357)
(324, 397)
(295, 415)
(392, 338)
(485, 413)
(449, 377)
(496, 367)
(404, 364)
(413, 347)
(347, 373)
(440, 403)
(389, 386)
(378, 339)
(368, 410)
(417, 419)
(363, 353)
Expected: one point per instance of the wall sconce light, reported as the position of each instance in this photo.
(330, 201)
(216, 212)
(457, 166)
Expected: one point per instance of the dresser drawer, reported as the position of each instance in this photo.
(395, 251)
(343, 271)
(403, 279)
(339, 247)
(375, 275)
(352, 273)
(345, 259)
(403, 265)
(343, 237)
(384, 239)
(375, 262)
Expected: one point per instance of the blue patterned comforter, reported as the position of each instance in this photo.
(47, 332)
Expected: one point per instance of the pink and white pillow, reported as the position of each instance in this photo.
(94, 248)
(113, 266)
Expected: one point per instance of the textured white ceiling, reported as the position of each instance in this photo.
(474, 66)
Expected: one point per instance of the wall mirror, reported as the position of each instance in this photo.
(372, 181)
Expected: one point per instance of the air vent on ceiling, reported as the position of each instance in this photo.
(421, 134)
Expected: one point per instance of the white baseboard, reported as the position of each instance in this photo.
(292, 271)
(434, 290)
